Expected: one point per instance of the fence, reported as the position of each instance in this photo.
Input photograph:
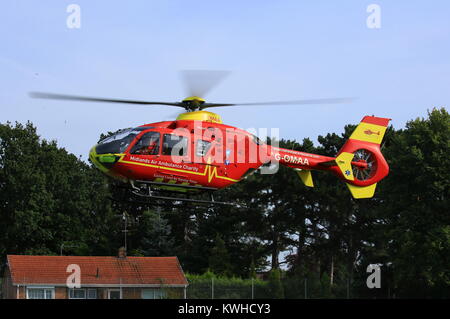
(226, 288)
(200, 287)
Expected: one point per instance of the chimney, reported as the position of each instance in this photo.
(122, 253)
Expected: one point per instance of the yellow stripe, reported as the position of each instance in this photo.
(212, 172)
(369, 133)
(94, 158)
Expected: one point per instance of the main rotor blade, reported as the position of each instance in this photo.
(297, 102)
(52, 96)
(200, 82)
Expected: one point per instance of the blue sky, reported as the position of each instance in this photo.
(276, 50)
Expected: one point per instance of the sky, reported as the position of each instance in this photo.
(275, 50)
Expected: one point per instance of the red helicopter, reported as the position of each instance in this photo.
(198, 153)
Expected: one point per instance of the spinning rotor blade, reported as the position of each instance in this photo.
(200, 82)
(298, 102)
(51, 96)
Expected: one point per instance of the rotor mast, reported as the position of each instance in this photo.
(193, 103)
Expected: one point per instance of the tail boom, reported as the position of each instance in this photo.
(359, 163)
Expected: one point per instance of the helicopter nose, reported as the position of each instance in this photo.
(103, 162)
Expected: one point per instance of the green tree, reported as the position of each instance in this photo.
(153, 236)
(416, 210)
(47, 197)
(219, 259)
(275, 286)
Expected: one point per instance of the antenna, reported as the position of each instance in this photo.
(67, 246)
(125, 231)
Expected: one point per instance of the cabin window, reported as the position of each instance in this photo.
(148, 144)
(175, 145)
(202, 147)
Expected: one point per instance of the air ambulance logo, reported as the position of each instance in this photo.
(370, 132)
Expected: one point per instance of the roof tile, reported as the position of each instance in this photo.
(27, 269)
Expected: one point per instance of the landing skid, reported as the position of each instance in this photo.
(187, 187)
(151, 192)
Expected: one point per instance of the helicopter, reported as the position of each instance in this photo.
(197, 153)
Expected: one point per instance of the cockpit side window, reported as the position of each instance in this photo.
(148, 144)
(175, 145)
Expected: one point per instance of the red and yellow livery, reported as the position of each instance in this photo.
(198, 150)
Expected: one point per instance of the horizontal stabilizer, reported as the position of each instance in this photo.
(344, 162)
(362, 191)
(306, 177)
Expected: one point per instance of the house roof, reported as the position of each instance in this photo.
(112, 271)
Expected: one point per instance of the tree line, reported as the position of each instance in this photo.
(52, 202)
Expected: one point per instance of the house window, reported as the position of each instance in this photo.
(114, 294)
(77, 293)
(82, 293)
(40, 293)
(153, 294)
(92, 293)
